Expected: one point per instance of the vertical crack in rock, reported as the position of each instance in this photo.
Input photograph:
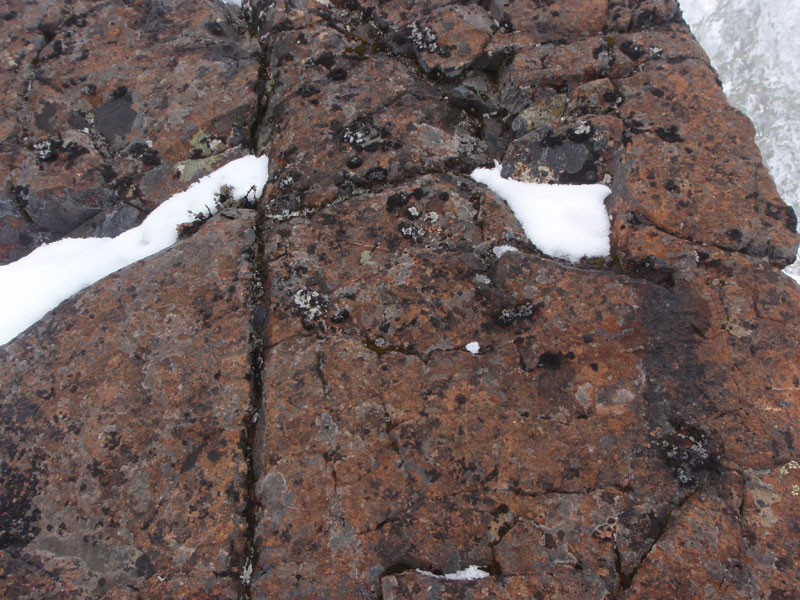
(263, 94)
(257, 345)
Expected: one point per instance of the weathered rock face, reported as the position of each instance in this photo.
(109, 107)
(628, 428)
(123, 458)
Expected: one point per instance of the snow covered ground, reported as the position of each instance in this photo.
(38, 282)
(565, 221)
(755, 47)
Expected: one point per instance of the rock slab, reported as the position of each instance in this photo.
(123, 458)
(303, 420)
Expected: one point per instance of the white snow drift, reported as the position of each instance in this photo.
(37, 283)
(565, 221)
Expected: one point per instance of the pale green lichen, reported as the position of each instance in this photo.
(190, 170)
(201, 144)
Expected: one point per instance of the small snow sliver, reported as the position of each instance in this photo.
(38, 282)
(471, 573)
(564, 221)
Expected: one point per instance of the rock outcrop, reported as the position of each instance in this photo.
(107, 108)
(282, 405)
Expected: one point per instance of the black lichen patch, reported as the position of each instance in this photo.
(783, 212)
(377, 175)
(73, 151)
(632, 50)
(553, 360)
(734, 234)
(307, 90)
(311, 306)
(47, 150)
(326, 59)
(364, 136)
(396, 201)
(340, 316)
(338, 74)
(669, 134)
(149, 156)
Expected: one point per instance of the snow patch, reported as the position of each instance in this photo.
(500, 250)
(565, 221)
(468, 574)
(473, 347)
(38, 282)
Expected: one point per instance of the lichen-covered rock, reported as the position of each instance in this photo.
(450, 39)
(578, 151)
(551, 21)
(606, 409)
(123, 463)
(111, 107)
(627, 427)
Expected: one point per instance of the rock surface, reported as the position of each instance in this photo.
(123, 459)
(628, 428)
(108, 108)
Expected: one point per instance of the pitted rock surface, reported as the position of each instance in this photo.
(628, 428)
(110, 107)
(122, 454)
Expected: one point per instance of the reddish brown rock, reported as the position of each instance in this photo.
(548, 21)
(418, 586)
(123, 463)
(450, 39)
(703, 169)
(110, 108)
(602, 406)
(627, 15)
(628, 427)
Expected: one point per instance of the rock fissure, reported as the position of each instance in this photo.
(628, 579)
(258, 345)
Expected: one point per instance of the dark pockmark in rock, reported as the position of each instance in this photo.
(114, 117)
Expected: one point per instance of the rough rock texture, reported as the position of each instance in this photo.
(123, 460)
(629, 427)
(109, 107)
